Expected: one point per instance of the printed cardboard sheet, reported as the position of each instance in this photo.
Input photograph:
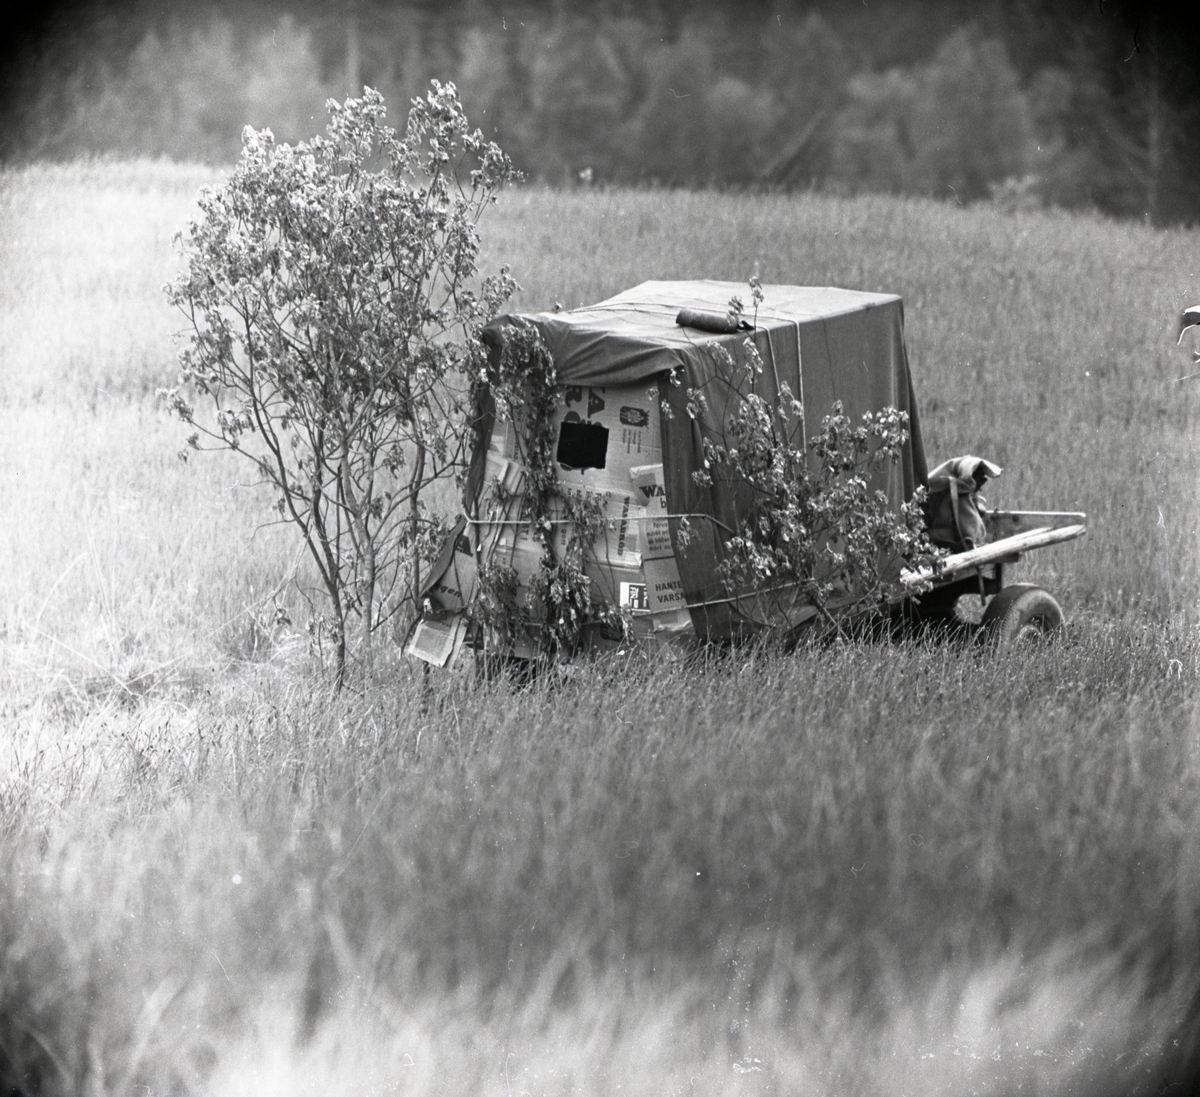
(437, 642)
(620, 541)
(664, 589)
(453, 590)
(649, 486)
(602, 433)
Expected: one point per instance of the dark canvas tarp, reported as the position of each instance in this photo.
(824, 344)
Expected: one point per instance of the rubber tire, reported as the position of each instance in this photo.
(1019, 614)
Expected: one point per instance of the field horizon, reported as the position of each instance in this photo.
(865, 867)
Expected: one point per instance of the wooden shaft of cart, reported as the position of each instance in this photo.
(1003, 549)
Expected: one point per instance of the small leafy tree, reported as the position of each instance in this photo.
(813, 533)
(334, 308)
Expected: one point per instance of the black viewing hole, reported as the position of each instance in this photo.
(582, 445)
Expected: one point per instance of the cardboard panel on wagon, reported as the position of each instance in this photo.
(600, 434)
(608, 445)
(603, 450)
(500, 502)
(603, 433)
(620, 541)
(664, 586)
(665, 590)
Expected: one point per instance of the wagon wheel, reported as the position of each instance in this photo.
(1020, 614)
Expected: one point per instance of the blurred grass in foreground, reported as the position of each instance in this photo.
(866, 868)
(862, 869)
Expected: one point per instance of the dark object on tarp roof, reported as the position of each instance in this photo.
(712, 322)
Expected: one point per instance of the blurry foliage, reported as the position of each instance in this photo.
(1071, 107)
(955, 125)
(187, 92)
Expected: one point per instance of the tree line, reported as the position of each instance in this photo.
(1074, 104)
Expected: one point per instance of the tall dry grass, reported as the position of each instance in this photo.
(865, 868)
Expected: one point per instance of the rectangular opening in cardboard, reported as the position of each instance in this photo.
(582, 445)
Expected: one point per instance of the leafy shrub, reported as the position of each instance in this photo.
(815, 533)
(333, 330)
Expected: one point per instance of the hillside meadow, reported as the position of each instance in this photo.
(866, 868)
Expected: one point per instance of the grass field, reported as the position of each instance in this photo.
(893, 869)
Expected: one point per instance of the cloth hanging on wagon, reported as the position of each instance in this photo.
(822, 344)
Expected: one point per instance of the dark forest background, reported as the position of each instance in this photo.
(1078, 103)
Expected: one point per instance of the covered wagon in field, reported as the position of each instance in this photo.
(620, 446)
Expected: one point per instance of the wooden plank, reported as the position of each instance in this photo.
(987, 554)
(1006, 523)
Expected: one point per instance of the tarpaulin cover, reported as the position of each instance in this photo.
(823, 344)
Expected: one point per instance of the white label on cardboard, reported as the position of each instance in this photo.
(633, 597)
(631, 440)
(664, 586)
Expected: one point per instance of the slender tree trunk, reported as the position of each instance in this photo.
(339, 638)
(368, 611)
(414, 525)
(339, 675)
(327, 554)
(358, 511)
